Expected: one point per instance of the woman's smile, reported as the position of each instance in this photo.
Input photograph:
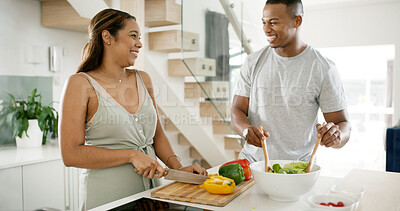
(134, 53)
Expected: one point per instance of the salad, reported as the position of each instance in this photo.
(289, 168)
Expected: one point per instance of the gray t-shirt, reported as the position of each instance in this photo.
(285, 94)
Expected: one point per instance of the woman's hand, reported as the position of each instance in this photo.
(145, 165)
(195, 168)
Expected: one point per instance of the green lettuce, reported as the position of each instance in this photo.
(300, 167)
(289, 168)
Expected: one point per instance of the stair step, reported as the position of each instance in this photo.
(195, 154)
(198, 66)
(160, 111)
(237, 154)
(205, 164)
(54, 13)
(162, 13)
(220, 127)
(232, 142)
(214, 89)
(170, 41)
(182, 140)
(208, 110)
(169, 126)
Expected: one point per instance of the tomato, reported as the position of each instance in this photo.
(330, 204)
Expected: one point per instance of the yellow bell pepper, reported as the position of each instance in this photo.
(219, 185)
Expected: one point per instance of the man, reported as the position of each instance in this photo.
(281, 88)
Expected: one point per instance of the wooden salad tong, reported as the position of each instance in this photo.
(312, 158)
(264, 146)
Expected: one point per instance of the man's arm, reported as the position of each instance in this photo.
(336, 132)
(240, 122)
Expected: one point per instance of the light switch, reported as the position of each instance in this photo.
(55, 55)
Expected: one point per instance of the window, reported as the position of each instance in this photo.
(365, 72)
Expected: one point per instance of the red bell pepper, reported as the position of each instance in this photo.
(245, 165)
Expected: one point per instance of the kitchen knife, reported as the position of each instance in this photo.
(183, 176)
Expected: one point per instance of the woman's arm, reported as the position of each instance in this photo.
(161, 144)
(74, 106)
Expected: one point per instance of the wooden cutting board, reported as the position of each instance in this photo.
(382, 189)
(193, 193)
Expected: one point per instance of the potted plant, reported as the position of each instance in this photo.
(29, 120)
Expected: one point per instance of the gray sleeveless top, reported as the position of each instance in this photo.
(113, 127)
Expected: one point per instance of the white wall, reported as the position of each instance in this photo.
(357, 24)
(20, 22)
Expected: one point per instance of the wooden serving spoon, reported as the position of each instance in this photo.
(264, 146)
(312, 158)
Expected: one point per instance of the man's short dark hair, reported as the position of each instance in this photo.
(294, 7)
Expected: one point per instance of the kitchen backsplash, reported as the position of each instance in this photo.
(21, 87)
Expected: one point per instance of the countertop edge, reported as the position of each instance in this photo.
(11, 157)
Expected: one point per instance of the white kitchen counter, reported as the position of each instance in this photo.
(13, 156)
(252, 199)
(381, 193)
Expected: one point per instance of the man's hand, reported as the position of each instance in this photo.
(255, 136)
(330, 133)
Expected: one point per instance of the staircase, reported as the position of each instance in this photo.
(192, 124)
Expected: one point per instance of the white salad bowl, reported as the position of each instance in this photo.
(284, 187)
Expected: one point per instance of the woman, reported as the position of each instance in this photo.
(109, 125)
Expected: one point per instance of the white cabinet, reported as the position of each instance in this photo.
(11, 189)
(43, 185)
(33, 186)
